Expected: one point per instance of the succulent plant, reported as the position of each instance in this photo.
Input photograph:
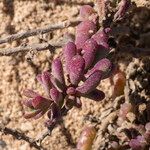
(76, 75)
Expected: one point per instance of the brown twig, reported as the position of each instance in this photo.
(21, 136)
(47, 133)
(34, 32)
(38, 47)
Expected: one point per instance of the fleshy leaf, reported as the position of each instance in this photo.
(96, 95)
(32, 114)
(40, 114)
(76, 69)
(85, 12)
(57, 70)
(30, 93)
(119, 81)
(44, 79)
(86, 139)
(40, 102)
(69, 51)
(90, 84)
(103, 65)
(28, 103)
(56, 96)
(57, 84)
(101, 37)
(89, 51)
(71, 91)
(90, 45)
(83, 32)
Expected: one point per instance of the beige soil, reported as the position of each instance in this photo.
(16, 74)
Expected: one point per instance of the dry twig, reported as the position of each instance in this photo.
(38, 47)
(34, 32)
(20, 136)
(47, 133)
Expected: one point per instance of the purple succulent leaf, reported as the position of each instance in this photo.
(96, 95)
(90, 83)
(85, 12)
(57, 70)
(89, 58)
(56, 83)
(44, 79)
(30, 93)
(28, 103)
(103, 65)
(101, 37)
(89, 51)
(86, 27)
(40, 114)
(76, 69)
(40, 102)
(71, 91)
(83, 32)
(90, 45)
(32, 114)
(122, 9)
(56, 96)
(81, 38)
(69, 51)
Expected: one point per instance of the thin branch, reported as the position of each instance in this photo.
(38, 47)
(47, 133)
(34, 32)
(20, 136)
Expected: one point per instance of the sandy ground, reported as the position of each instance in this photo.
(16, 74)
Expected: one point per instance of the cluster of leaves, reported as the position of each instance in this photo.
(78, 73)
